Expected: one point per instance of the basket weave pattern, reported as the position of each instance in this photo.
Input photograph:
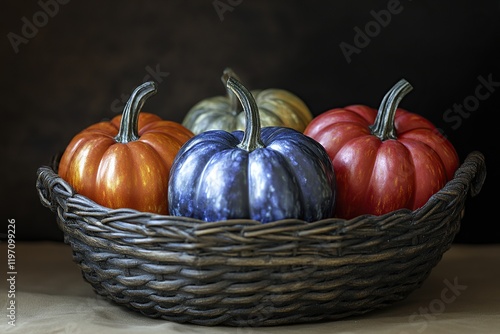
(244, 273)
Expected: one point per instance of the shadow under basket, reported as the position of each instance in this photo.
(245, 273)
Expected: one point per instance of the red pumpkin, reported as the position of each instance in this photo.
(385, 160)
(125, 163)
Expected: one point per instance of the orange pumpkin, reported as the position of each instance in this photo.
(125, 162)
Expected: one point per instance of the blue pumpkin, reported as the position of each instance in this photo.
(264, 174)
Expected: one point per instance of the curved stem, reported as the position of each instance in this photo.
(129, 125)
(233, 99)
(251, 138)
(383, 127)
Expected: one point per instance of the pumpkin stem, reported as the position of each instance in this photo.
(233, 99)
(383, 127)
(251, 138)
(129, 125)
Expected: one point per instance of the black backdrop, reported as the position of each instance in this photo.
(68, 64)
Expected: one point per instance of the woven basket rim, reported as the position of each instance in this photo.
(470, 174)
(170, 235)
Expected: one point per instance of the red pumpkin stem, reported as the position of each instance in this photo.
(233, 99)
(251, 138)
(383, 127)
(129, 125)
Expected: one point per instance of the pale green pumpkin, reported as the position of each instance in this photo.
(277, 107)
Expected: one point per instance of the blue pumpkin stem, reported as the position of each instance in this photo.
(234, 103)
(129, 125)
(251, 138)
(383, 127)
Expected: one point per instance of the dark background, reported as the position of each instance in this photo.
(86, 55)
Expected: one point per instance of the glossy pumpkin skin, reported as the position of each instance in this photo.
(277, 107)
(385, 160)
(263, 174)
(125, 162)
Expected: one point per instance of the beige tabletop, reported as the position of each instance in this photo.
(462, 295)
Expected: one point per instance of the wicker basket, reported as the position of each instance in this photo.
(244, 273)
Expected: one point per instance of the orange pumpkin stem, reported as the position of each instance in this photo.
(129, 124)
(383, 127)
